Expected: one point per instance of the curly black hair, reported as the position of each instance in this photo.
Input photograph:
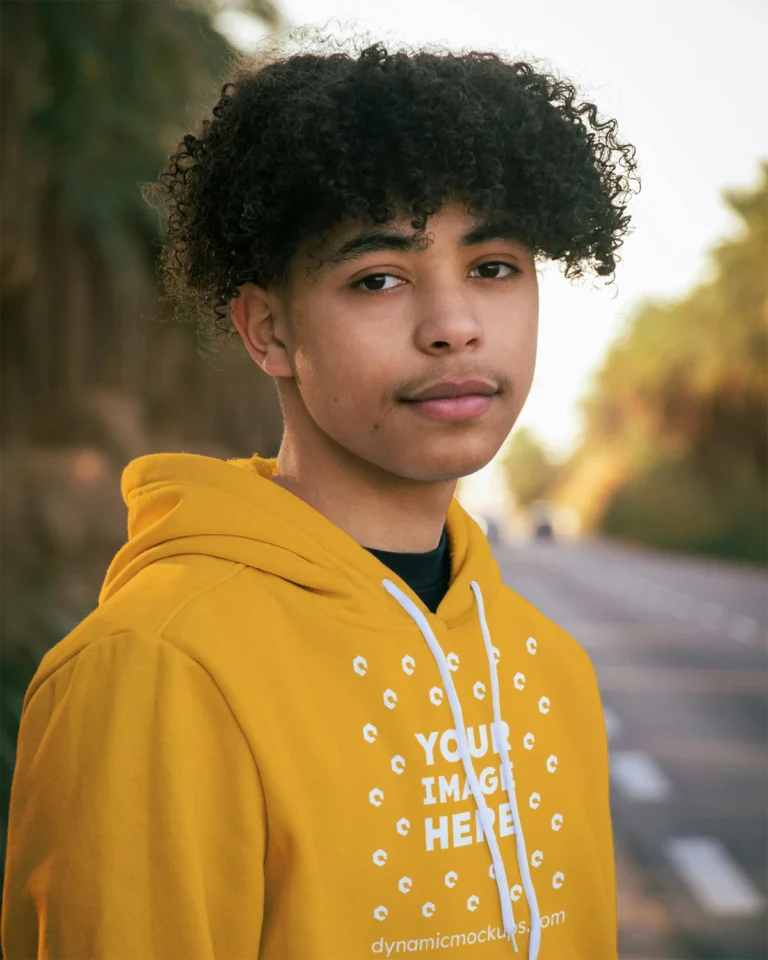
(300, 143)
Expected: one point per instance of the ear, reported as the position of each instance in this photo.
(253, 314)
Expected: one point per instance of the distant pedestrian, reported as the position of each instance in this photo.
(308, 719)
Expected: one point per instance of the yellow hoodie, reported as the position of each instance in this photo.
(263, 744)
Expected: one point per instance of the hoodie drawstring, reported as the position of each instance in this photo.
(507, 913)
(506, 767)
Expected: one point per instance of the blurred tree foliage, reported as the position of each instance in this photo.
(528, 468)
(93, 97)
(675, 449)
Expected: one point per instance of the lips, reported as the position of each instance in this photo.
(452, 389)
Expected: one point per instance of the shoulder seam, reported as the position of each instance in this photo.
(155, 630)
(171, 615)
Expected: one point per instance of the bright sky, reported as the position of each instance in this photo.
(684, 78)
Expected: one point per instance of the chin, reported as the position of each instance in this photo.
(444, 468)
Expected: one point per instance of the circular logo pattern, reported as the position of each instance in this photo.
(390, 699)
(519, 681)
(451, 878)
(557, 821)
(408, 664)
(403, 826)
(532, 645)
(380, 858)
(479, 690)
(398, 764)
(376, 797)
(428, 909)
(558, 880)
(360, 666)
(551, 763)
(528, 741)
(404, 885)
(534, 800)
(380, 913)
(544, 704)
(515, 892)
(536, 858)
(436, 696)
(370, 732)
(453, 662)
(473, 903)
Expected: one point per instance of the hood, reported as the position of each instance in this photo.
(181, 504)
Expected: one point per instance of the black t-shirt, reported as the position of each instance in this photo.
(427, 574)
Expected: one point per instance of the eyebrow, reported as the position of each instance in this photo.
(377, 241)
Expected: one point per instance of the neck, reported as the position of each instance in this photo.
(376, 508)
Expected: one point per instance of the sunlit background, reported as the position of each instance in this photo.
(629, 503)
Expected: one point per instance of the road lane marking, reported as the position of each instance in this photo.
(613, 725)
(743, 628)
(713, 877)
(638, 777)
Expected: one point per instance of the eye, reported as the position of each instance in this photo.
(376, 282)
(493, 270)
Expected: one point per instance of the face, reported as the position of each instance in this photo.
(353, 341)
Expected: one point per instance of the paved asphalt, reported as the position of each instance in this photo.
(680, 646)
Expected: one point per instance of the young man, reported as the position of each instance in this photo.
(307, 719)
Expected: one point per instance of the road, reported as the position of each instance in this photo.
(680, 649)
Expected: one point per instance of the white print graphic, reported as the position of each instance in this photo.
(455, 821)
(551, 763)
(489, 934)
(457, 830)
(496, 654)
(477, 738)
(449, 787)
(370, 732)
(436, 696)
(360, 666)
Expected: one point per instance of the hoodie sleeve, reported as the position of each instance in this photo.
(137, 821)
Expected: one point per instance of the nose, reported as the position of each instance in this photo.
(447, 321)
